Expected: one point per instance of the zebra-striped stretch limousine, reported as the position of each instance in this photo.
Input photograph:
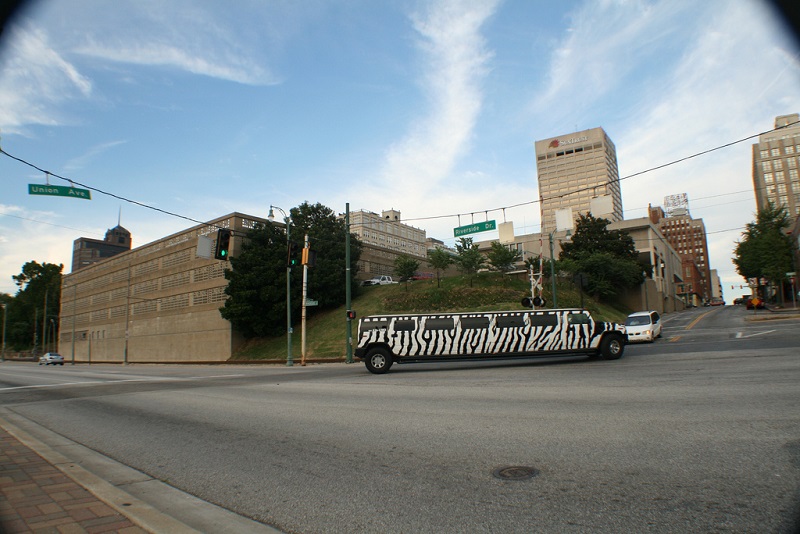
(385, 339)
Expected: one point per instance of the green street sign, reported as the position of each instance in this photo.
(59, 191)
(475, 228)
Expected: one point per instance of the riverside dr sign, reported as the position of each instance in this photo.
(475, 228)
(59, 191)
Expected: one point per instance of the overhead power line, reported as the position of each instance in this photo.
(487, 211)
(96, 190)
(651, 169)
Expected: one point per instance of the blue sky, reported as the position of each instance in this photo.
(432, 108)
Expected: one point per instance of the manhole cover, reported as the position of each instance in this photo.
(515, 472)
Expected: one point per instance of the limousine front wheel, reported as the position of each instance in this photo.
(612, 347)
(378, 361)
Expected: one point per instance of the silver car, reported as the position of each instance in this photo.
(51, 358)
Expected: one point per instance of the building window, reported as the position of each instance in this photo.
(790, 149)
(768, 178)
(778, 164)
(775, 152)
(766, 166)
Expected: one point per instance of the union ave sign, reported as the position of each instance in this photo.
(59, 191)
(475, 228)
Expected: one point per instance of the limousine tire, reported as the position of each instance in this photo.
(612, 347)
(378, 360)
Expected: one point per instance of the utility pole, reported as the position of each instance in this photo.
(303, 313)
(348, 289)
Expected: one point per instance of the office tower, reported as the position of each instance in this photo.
(578, 173)
(775, 166)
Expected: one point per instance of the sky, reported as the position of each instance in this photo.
(201, 108)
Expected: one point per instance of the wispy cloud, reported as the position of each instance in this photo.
(35, 81)
(604, 44)
(180, 35)
(455, 60)
(215, 63)
(81, 161)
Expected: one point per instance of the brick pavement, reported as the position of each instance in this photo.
(37, 497)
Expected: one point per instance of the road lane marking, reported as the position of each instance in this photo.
(740, 335)
(106, 382)
(697, 320)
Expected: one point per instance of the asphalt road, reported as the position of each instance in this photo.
(697, 432)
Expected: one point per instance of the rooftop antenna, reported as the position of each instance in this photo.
(119, 217)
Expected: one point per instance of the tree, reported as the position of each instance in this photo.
(37, 300)
(405, 267)
(326, 234)
(257, 277)
(469, 259)
(502, 258)
(256, 306)
(440, 260)
(607, 257)
(765, 250)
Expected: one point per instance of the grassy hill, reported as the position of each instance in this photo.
(326, 330)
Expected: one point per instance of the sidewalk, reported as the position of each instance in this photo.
(35, 496)
(50, 484)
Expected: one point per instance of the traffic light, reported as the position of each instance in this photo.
(292, 258)
(222, 249)
(351, 315)
(309, 257)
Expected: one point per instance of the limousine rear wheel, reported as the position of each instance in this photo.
(378, 361)
(612, 347)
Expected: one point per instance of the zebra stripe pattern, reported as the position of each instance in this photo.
(483, 334)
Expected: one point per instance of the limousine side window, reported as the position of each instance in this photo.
(474, 323)
(405, 325)
(445, 323)
(578, 318)
(547, 319)
(366, 326)
(510, 321)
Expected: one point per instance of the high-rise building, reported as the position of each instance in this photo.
(776, 159)
(688, 237)
(578, 173)
(86, 251)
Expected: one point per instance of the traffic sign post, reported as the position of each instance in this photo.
(59, 191)
(475, 228)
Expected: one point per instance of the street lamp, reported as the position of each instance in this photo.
(287, 221)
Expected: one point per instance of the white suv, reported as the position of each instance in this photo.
(643, 326)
